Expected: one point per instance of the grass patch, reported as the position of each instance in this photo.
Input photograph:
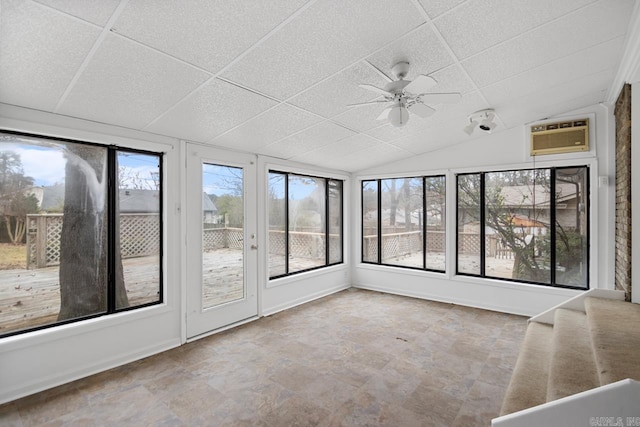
(12, 256)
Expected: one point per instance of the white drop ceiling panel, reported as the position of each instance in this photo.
(213, 109)
(361, 118)
(276, 77)
(452, 79)
(435, 8)
(480, 24)
(332, 96)
(209, 34)
(274, 124)
(129, 85)
(327, 37)
(322, 134)
(573, 33)
(96, 11)
(547, 102)
(338, 149)
(374, 156)
(554, 74)
(421, 48)
(40, 52)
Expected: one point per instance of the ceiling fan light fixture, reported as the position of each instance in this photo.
(399, 115)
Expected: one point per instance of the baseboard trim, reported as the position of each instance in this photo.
(437, 298)
(303, 300)
(60, 378)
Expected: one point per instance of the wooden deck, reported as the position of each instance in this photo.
(29, 298)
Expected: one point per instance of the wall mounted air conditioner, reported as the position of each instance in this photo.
(568, 136)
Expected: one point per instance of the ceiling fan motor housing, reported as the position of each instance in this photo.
(400, 70)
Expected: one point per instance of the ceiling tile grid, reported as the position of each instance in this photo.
(129, 85)
(208, 34)
(319, 135)
(480, 24)
(275, 124)
(97, 12)
(325, 39)
(276, 78)
(331, 97)
(213, 109)
(586, 27)
(554, 74)
(40, 52)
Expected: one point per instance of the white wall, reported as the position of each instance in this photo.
(286, 292)
(46, 358)
(504, 150)
(42, 359)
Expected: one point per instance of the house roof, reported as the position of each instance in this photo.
(278, 76)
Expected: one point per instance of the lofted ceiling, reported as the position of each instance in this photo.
(275, 77)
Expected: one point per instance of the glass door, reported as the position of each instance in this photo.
(221, 239)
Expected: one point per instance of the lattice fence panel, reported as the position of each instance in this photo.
(370, 248)
(139, 235)
(390, 245)
(469, 243)
(435, 241)
(306, 245)
(214, 238)
(277, 242)
(235, 238)
(54, 231)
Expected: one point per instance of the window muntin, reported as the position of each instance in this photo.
(335, 220)
(313, 216)
(505, 225)
(370, 221)
(402, 222)
(435, 235)
(395, 229)
(277, 206)
(138, 228)
(79, 257)
(571, 225)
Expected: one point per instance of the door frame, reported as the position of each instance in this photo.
(251, 300)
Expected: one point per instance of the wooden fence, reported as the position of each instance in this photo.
(139, 236)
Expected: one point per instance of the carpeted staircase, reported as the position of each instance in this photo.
(582, 350)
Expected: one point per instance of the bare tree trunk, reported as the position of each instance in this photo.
(83, 242)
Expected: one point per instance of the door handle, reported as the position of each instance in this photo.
(255, 247)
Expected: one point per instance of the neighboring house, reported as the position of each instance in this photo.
(209, 210)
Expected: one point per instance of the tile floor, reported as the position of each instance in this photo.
(355, 358)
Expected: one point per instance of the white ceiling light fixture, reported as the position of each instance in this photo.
(406, 95)
(398, 115)
(483, 119)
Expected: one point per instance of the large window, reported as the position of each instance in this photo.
(525, 225)
(305, 223)
(81, 231)
(403, 222)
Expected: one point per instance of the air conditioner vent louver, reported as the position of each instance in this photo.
(560, 137)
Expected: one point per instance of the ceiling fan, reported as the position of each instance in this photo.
(404, 96)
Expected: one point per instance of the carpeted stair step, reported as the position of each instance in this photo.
(572, 367)
(615, 334)
(528, 386)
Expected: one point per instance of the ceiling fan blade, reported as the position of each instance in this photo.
(361, 104)
(420, 84)
(384, 114)
(376, 89)
(421, 110)
(440, 98)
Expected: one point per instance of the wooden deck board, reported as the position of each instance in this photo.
(29, 298)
